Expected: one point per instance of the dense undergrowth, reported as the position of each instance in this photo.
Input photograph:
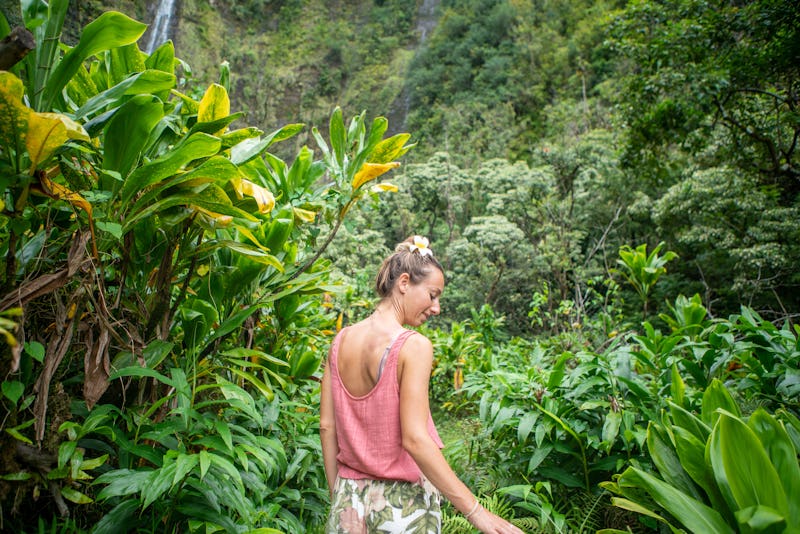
(172, 278)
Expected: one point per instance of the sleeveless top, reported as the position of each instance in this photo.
(368, 427)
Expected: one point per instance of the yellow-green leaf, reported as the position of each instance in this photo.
(370, 171)
(304, 215)
(13, 113)
(45, 134)
(263, 196)
(75, 496)
(390, 149)
(214, 105)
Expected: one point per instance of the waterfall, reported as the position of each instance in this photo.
(426, 18)
(159, 30)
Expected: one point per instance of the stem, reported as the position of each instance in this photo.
(327, 242)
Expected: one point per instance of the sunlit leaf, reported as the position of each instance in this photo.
(370, 171)
(263, 197)
(214, 105)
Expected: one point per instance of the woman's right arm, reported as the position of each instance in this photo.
(327, 430)
(416, 359)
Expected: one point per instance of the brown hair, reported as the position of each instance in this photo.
(404, 259)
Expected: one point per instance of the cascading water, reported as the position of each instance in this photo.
(426, 18)
(159, 30)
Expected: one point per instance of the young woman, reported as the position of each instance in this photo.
(382, 454)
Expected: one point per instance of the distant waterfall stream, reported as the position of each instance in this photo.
(426, 18)
(162, 23)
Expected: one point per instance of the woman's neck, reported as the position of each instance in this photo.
(387, 314)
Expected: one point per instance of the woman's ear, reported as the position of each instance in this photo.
(403, 281)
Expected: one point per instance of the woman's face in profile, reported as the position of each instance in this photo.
(422, 298)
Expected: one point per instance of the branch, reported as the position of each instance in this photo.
(15, 46)
(327, 242)
(49, 282)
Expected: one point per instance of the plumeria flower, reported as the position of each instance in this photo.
(420, 245)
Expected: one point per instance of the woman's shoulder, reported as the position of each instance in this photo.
(416, 343)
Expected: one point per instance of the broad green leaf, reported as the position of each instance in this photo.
(538, 456)
(155, 352)
(233, 138)
(264, 388)
(65, 452)
(162, 58)
(93, 463)
(691, 452)
(525, 426)
(693, 514)
(146, 82)
(338, 136)
(249, 149)
(227, 466)
(611, 428)
(243, 353)
(677, 387)
(781, 452)
(626, 504)
(205, 463)
(19, 476)
(667, 461)
(109, 30)
(81, 87)
(224, 432)
(215, 169)
(122, 482)
(141, 371)
(217, 126)
(123, 61)
(184, 464)
(211, 199)
(197, 146)
(762, 518)
(303, 364)
(121, 514)
(75, 496)
(558, 370)
(684, 419)
(160, 483)
(13, 390)
(742, 468)
(127, 132)
(717, 396)
(16, 434)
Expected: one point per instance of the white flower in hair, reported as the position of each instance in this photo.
(420, 245)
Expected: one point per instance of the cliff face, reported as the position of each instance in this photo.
(292, 60)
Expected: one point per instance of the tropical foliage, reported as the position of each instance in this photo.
(611, 187)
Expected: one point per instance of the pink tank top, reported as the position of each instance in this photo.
(368, 427)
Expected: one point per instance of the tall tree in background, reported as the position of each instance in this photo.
(710, 101)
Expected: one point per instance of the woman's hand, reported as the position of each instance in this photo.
(489, 523)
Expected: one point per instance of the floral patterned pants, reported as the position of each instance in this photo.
(369, 506)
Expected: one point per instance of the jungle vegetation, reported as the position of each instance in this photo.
(612, 187)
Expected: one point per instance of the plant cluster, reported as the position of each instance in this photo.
(164, 302)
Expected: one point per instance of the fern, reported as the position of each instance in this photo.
(454, 523)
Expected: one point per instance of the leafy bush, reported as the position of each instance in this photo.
(719, 471)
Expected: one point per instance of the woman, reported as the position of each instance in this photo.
(382, 454)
